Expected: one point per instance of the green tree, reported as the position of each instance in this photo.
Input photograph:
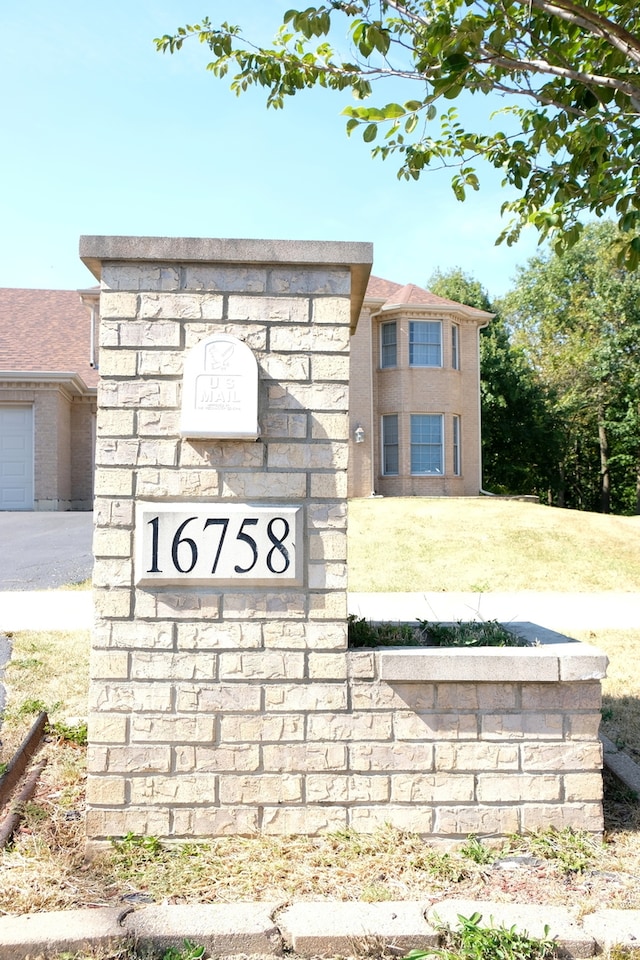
(520, 440)
(577, 317)
(568, 73)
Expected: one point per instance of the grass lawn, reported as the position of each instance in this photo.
(394, 545)
(414, 544)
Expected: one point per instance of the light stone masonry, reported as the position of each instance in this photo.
(233, 706)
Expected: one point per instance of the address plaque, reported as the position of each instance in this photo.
(218, 543)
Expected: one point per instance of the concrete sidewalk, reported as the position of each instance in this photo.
(564, 612)
(555, 611)
(46, 610)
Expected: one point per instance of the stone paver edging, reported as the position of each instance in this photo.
(306, 928)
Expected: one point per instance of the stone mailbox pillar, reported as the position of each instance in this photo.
(220, 647)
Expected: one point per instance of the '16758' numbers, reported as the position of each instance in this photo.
(230, 545)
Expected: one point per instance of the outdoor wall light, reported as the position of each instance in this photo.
(358, 434)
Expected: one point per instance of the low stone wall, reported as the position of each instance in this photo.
(441, 742)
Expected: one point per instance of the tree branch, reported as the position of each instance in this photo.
(542, 66)
(594, 22)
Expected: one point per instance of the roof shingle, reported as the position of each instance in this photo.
(46, 331)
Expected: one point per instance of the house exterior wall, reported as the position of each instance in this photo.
(361, 380)
(63, 463)
(62, 452)
(404, 390)
(82, 452)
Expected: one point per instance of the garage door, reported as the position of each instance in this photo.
(16, 458)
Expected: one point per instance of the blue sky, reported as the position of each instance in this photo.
(105, 136)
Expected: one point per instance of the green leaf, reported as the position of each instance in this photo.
(393, 110)
(370, 132)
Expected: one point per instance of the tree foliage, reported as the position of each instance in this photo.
(577, 318)
(520, 442)
(568, 71)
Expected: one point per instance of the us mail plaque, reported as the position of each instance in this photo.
(195, 543)
(220, 390)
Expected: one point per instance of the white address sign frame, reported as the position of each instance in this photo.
(217, 543)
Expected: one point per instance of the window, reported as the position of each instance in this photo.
(456, 446)
(455, 346)
(425, 343)
(426, 443)
(389, 345)
(390, 444)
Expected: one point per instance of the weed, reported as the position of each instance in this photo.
(441, 866)
(73, 732)
(607, 713)
(33, 814)
(26, 663)
(475, 633)
(483, 586)
(574, 850)
(473, 942)
(475, 850)
(486, 633)
(132, 949)
(189, 951)
(135, 844)
(31, 706)
(363, 633)
(375, 893)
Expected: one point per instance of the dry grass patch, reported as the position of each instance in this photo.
(47, 671)
(492, 545)
(488, 545)
(621, 688)
(45, 868)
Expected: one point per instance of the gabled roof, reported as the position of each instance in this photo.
(45, 331)
(391, 295)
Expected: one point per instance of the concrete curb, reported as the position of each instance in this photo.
(306, 929)
(621, 764)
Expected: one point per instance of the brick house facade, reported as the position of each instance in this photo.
(415, 395)
(48, 389)
(414, 386)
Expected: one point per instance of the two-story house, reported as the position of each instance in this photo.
(414, 387)
(415, 395)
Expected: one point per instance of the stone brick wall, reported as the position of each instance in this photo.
(236, 709)
(457, 755)
(200, 694)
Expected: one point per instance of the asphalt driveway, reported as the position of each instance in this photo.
(42, 551)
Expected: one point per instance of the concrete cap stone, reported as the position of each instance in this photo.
(568, 662)
(611, 928)
(94, 250)
(358, 256)
(491, 664)
(582, 662)
(530, 919)
(346, 929)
